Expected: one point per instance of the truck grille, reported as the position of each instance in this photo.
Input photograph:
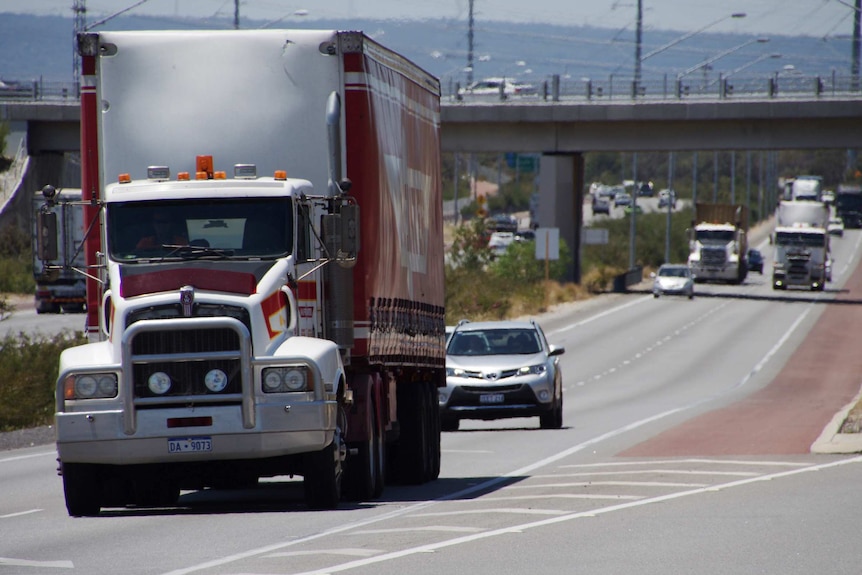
(187, 349)
(713, 256)
(798, 264)
(187, 376)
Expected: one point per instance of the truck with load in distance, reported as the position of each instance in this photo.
(718, 242)
(60, 275)
(243, 323)
(848, 205)
(802, 256)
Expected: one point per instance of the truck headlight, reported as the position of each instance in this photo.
(159, 383)
(286, 379)
(90, 386)
(215, 380)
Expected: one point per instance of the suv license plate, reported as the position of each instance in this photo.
(491, 398)
(190, 445)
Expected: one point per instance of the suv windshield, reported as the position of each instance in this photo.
(494, 342)
(208, 228)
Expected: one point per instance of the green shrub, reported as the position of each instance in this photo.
(28, 374)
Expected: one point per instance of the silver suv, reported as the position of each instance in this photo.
(499, 369)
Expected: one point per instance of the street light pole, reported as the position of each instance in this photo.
(638, 44)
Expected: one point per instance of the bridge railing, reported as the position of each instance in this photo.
(670, 87)
(36, 90)
(557, 88)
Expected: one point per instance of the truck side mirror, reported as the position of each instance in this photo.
(46, 236)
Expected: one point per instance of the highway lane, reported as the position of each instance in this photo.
(514, 497)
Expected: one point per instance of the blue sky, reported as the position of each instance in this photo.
(791, 17)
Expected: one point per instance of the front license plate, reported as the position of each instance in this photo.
(491, 398)
(190, 445)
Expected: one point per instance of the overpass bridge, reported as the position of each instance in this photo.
(562, 130)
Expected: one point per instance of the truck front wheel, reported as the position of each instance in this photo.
(364, 474)
(82, 487)
(322, 480)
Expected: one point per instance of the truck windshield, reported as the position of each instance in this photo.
(247, 227)
(800, 239)
(715, 236)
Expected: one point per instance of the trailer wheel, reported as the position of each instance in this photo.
(411, 455)
(82, 488)
(322, 480)
(433, 432)
(364, 473)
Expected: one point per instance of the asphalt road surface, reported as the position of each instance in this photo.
(685, 449)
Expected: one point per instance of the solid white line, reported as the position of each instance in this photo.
(678, 461)
(30, 456)
(562, 496)
(600, 315)
(348, 552)
(7, 561)
(501, 510)
(443, 528)
(647, 472)
(20, 513)
(614, 483)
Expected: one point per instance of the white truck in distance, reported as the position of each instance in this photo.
(248, 326)
(802, 255)
(718, 243)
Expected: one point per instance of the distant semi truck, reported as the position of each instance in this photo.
(60, 280)
(718, 242)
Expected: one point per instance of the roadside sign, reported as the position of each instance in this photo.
(547, 243)
(594, 236)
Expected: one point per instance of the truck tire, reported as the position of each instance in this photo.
(411, 459)
(322, 479)
(82, 488)
(364, 472)
(434, 405)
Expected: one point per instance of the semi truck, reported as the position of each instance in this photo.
(718, 243)
(802, 255)
(243, 321)
(60, 276)
(848, 205)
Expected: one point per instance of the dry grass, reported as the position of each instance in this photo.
(853, 421)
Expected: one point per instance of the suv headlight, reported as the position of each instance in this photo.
(90, 386)
(286, 379)
(539, 369)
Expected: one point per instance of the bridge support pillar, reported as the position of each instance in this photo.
(561, 203)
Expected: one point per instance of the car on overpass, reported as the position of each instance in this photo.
(499, 87)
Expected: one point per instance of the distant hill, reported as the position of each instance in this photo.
(42, 46)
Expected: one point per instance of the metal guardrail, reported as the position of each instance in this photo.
(38, 90)
(621, 88)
